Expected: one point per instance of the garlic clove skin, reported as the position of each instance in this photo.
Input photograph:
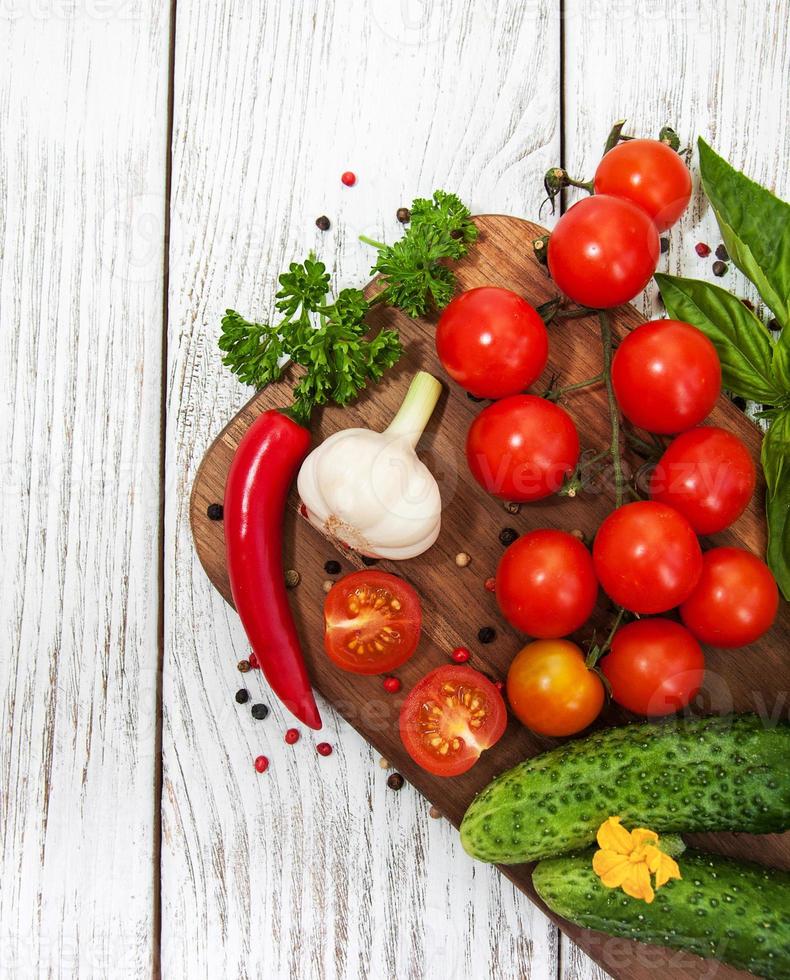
(372, 492)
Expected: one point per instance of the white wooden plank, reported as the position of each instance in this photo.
(315, 869)
(83, 123)
(718, 70)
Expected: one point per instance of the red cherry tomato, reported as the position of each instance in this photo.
(521, 448)
(651, 175)
(708, 475)
(449, 718)
(545, 584)
(551, 690)
(603, 251)
(654, 667)
(371, 622)
(492, 342)
(647, 557)
(735, 600)
(666, 376)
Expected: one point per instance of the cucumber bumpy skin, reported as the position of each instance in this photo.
(726, 910)
(719, 773)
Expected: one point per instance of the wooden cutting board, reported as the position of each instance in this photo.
(455, 602)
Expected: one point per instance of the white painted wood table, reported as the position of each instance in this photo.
(159, 163)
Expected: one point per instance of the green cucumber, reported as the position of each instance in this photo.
(719, 773)
(726, 910)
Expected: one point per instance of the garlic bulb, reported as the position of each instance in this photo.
(370, 490)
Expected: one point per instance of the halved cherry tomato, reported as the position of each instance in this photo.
(551, 690)
(655, 667)
(651, 175)
(449, 718)
(708, 475)
(492, 342)
(371, 622)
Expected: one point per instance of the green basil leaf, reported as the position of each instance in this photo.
(776, 465)
(755, 226)
(743, 342)
(781, 359)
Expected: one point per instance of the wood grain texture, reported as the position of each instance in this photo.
(717, 70)
(81, 253)
(316, 870)
(454, 602)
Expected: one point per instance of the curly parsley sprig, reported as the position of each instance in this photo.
(328, 339)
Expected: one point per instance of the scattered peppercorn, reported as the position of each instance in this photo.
(508, 535)
(368, 560)
(719, 268)
(392, 685)
(512, 507)
(323, 748)
(323, 223)
(214, 512)
(261, 763)
(462, 559)
(487, 634)
(292, 736)
(748, 304)
(395, 781)
(702, 250)
(460, 655)
(434, 813)
(490, 584)
(722, 253)
(384, 763)
(327, 586)
(292, 578)
(474, 398)
(403, 215)
(242, 696)
(349, 178)
(244, 666)
(259, 711)
(664, 243)
(253, 661)
(773, 324)
(332, 567)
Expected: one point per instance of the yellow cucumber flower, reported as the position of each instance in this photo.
(628, 858)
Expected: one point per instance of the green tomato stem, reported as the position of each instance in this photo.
(416, 408)
(371, 241)
(614, 415)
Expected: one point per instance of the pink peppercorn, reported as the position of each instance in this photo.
(349, 178)
(323, 748)
(261, 763)
(291, 736)
(392, 685)
(460, 655)
(490, 584)
(702, 250)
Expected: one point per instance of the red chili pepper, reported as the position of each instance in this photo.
(260, 476)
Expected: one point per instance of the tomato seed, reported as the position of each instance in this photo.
(261, 763)
(292, 736)
(323, 748)
(702, 250)
(460, 655)
(349, 178)
(392, 685)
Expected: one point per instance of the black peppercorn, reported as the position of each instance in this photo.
(244, 666)
(332, 567)
(486, 634)
(259, 711)
(403, 215)
(773, 325)
(664, 242)
(719, 268)
(242, 696)
(722, 253)
(214, 512)
(395, 780)
(323, 223)
(367, 560)
(508, 535)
